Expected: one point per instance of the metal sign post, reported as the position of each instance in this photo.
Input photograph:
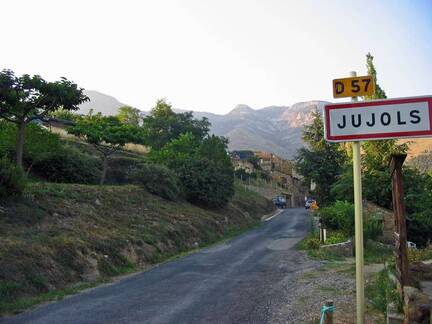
(358, 210)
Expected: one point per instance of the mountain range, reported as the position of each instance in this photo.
(275, 129)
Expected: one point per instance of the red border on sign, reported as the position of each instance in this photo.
(329, 107)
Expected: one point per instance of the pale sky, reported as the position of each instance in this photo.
(211, 55)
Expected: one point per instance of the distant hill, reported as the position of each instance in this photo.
(100, 102)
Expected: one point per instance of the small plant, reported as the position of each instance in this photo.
(382, 291)
(310, 242)
(373, 229)
(415, 255)
(12, 180)
(9, 291)
(336, 237)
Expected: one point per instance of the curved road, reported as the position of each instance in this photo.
(239, 281)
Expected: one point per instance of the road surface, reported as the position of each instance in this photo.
(234, 282)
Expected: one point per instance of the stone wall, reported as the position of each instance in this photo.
(387, 216)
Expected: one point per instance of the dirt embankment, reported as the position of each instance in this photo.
(59, 235)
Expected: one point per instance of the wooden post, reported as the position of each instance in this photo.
(328, 317)
(402, 274)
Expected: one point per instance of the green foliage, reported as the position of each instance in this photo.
(334, 237)
(420, 226)
(26, 98)
(382, 291)
(372, 229)
(322, 162)
(163, 125)
(46, 156)
(12, 180)
(203, 167)
(310, 242)
(379, 92)
(68, 165)
(156, 179)
(339, 216)
(129, 115)
(415, 255)
(121, 167)
(63, 114)
(106, 134)
(39, 145)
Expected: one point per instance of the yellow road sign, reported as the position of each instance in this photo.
(353, 87)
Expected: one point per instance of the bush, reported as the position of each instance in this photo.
(372, 228)
(156, 179)
(12, 180)
(69, 165)
(206, 183)
(335, 237)
(120, 169)
(415, 255)
(310, 242)
(339, 216)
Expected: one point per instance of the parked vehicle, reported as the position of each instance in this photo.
(280, 202)
(309, 203)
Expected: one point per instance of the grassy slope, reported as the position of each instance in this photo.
(60, 237)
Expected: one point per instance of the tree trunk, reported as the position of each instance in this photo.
(20, 144)
(104, 169)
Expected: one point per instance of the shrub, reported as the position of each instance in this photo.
(156, 179)
(206, 183)
(372, 229)
(310, 242)
(120, 169)
(336, 237)
(69, 165)
(415, 255)
(339, 216)
(12, 180)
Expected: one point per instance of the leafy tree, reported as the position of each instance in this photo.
(65, 115)
(129, 115)
(164, 125)
(322, 161)
(26, 98)
(377, 153)
(379, 92)
(106, 134)
(203, 167)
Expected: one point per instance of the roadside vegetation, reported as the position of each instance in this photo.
(329, 167)
(80, 207)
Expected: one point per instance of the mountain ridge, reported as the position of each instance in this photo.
(276, 129)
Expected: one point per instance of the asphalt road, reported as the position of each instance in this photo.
(234, 282)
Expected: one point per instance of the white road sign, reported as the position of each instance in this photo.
(378, 119)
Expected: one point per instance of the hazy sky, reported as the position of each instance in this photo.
(211, 55)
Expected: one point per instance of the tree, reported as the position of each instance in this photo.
(163, 125)
(322, 162)
(377, 153)
(106, 134)
(203, 167)
(379, 92)
(129, 115)
(26, 98)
